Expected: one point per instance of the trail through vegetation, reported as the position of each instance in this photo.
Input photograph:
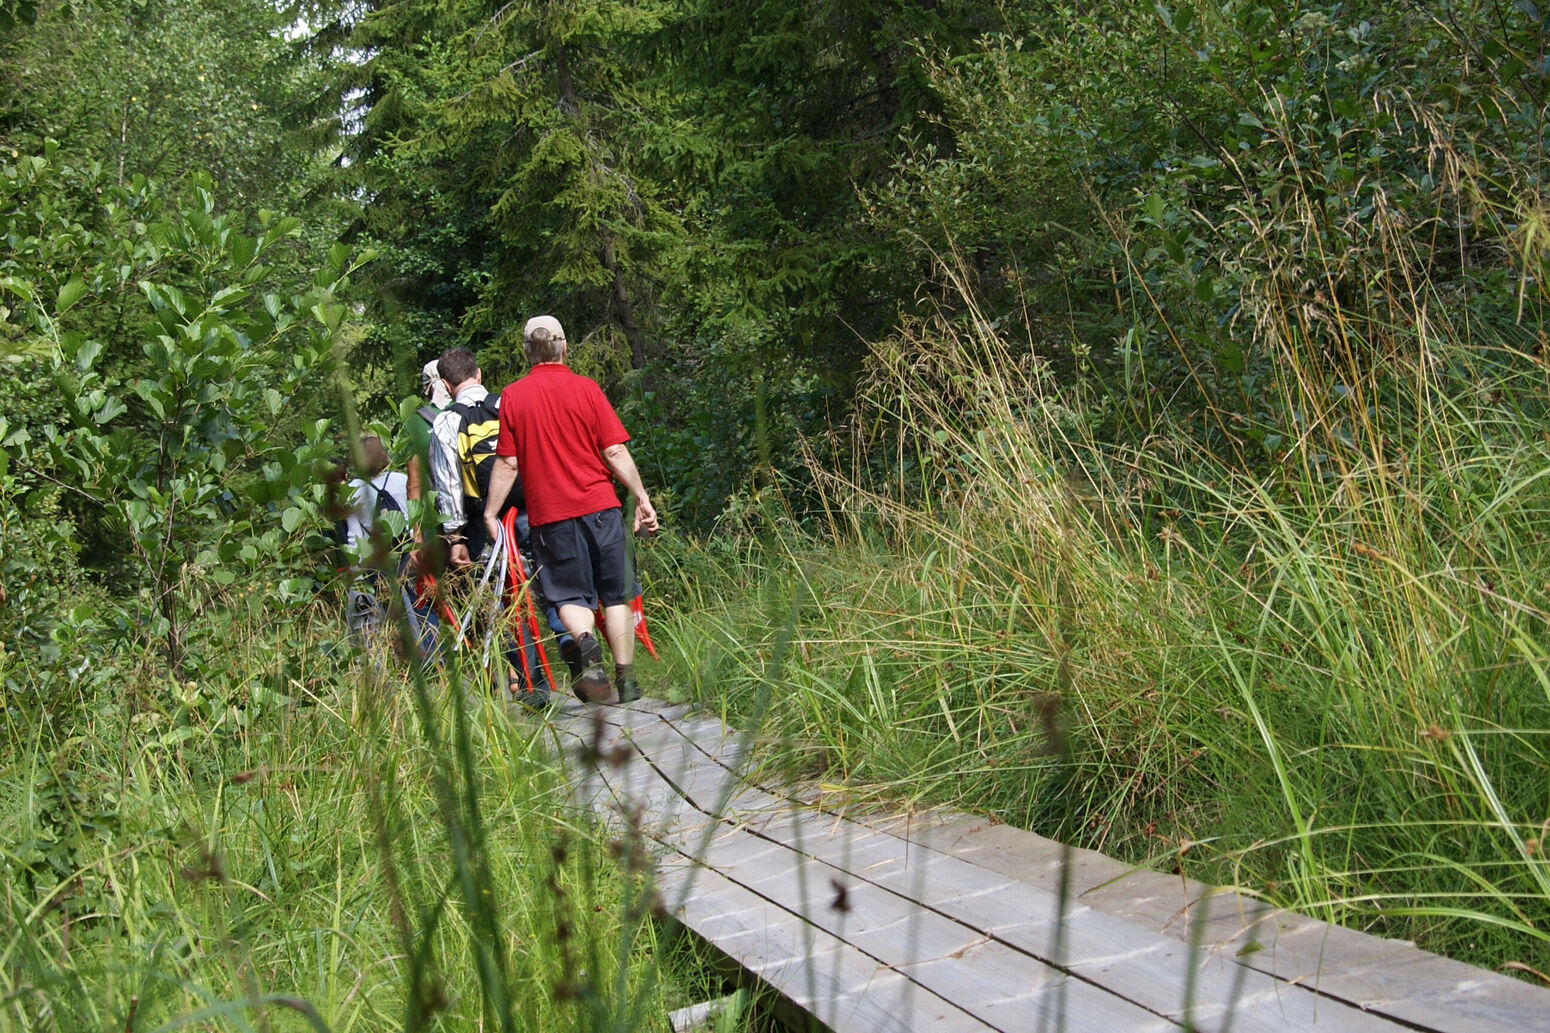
(1128, 420)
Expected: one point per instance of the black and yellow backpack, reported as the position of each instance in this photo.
(478, 425)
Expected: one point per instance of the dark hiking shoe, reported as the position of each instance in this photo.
(628, 688)
(592, 686)
(589, 649)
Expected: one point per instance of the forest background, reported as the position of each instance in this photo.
(1127, 418)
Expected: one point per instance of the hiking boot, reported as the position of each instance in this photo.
(628, 689)
(589, 649)
(591, 686)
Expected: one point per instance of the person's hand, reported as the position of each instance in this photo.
(492, 525)
(645, 517)
(458, 557)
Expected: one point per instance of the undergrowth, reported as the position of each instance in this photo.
(302, 838)
(1319, 675)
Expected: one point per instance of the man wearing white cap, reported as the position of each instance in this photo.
(433, 387)
(560, 431)
(434, 390)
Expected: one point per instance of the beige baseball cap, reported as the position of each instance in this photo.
(547, 323)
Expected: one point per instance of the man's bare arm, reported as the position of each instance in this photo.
(502, 477)
(622, 464)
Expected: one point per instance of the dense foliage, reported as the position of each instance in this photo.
(1162, 381)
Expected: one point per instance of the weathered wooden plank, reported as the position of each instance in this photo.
(1007, 909)
(1416, 986)
(935, 946)
(844, 989)
(1388, 977)
(1021, 989)
(1224, 991)
(1165, 987)
(847, 991)
(1117, 905)
(998, 984)
(1154, 970)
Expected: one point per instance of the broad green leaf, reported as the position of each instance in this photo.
(110, 408)
(138, 513)
(330, 314)
(291, 519)
(289, 226)
(20, 288)
(296, 588)
(86, 354)
(228, 296)
(174, 299)
(243, 249)
(69, 294)
(1230, 356)
(155, 394)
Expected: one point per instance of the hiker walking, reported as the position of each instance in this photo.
(434, 390)
(462, 446)
(462, 455)
(560, 432)
(379, 491)
(428, 558)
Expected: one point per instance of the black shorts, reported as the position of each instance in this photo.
(581, 560)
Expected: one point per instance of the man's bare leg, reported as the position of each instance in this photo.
(578, 620)
(620, 625)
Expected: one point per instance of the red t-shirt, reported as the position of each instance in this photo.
(557, 424)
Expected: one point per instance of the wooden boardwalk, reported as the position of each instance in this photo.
(946, 922)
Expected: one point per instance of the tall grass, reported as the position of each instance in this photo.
(1321, 674)
(306, 839)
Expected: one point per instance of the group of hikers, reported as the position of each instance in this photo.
(523, 481)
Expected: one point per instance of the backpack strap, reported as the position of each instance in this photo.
(386, 503)
(487, 408)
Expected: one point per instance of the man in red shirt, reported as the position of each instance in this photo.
(560, 431)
